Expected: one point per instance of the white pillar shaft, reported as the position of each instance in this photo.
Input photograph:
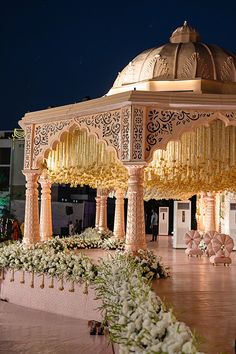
(31, 224)
(210, 213)
(45, 210)
(98, 203)
(103, 212)
(119, 220)
(135, 235)
(201, 211)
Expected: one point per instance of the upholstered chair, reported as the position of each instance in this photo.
(208, 237)
(222, 246)
(192, 240)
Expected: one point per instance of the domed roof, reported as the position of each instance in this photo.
(183, 58)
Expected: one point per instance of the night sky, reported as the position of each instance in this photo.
(57, 52)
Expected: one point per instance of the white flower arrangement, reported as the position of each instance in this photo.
(202, 245)
(112, 243)
(89, 239)
(152, 265)
(138, 321)
(41, 260)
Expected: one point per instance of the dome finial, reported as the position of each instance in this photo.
(184, 34)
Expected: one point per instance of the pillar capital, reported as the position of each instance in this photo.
(31, 173)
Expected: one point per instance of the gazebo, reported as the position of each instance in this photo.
(168, 120)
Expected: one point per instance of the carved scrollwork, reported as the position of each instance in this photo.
(44, 132)
(231, 116)
(107, 124)
(162, 123)
(137, 134)
(125, 134)
(27, 159)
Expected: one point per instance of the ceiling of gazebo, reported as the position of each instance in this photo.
(204, 160)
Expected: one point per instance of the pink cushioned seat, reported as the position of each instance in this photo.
(192, 240)
(208, 237)
(222, 246)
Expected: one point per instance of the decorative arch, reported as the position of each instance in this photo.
(62, 135)
(163, 126)
(202, 159)
(106, 126)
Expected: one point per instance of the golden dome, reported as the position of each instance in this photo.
(183, 58)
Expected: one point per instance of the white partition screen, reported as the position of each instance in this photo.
(232, 222)
(182, 222)
(163, 221)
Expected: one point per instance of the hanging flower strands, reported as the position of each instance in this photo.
(51, 286)
(80, 160)
(85, 291)
(203, 160)
(2, 274)
(42, 284)
(72, 288)
(32, 280)
(61, 287)
(12, 275)
(22, 281)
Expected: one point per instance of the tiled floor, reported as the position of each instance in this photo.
(203, 296)
(25, 331)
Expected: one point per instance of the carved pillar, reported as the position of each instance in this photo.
(210, 213)
(135, 234)
(103, 211)
(31, 225)
(201, 211)
(119, 220)
(98, 203)
(217, 212)
(46, 208)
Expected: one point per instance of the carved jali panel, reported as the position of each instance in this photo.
(125, 133)
(165, 125)
(106, 125)
(138, 133)
(44, 133)
(28, 137)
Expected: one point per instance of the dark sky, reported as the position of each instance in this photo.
(57, 52)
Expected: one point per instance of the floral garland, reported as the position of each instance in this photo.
(73, 267)
(89, 239)
(138, 320)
